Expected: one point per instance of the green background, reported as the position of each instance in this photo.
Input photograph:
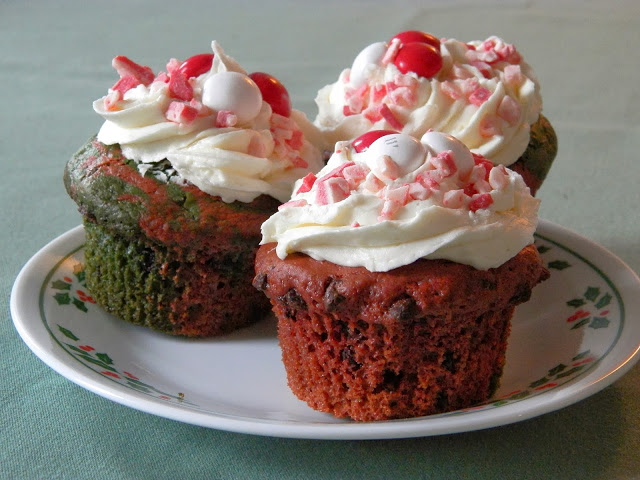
(56, 60)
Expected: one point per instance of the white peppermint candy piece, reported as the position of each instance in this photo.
(404, 150)
(234, 92)
(370, 55)
(439, 142)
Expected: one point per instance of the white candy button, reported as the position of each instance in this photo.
(407, 152)
(370, 55)
(234, 92)
(439, 142)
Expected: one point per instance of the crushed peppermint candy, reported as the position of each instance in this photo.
(415, 81)
(245, 99)
(411, 171)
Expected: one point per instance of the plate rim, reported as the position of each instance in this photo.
(32, 333)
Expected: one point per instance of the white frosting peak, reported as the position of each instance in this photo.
(382, 209)
(484, 94)
(214, 128)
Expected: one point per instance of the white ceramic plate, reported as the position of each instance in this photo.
(579, 333)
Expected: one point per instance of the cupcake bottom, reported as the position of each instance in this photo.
(172, 290)
(426, 338)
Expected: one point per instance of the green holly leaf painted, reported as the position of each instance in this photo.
(499, 403)
(76, 349)
(80, 305)
(592, 293)
(570, 372)
(80, 276)
(539, 383)
(67, 333)
(105, 358)
(581, 323)
(62, 298)
(559, 265)
(97, 362)
(557, 369)
(520, 395)
(604, 301)
(61, 285)
(543, 249)
(599, 322)
(576, 302)
(581, 355)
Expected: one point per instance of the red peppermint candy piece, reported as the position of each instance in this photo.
(196, 65)
(416, 36)
(127, 67)
(365, 140)
(307, 183)
(421, 58)
(481, 201)
(273, 92)
(179, 86)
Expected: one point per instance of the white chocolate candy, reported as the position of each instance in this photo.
(370, 55)
(439, 142)
(235, 92)
(405, 151)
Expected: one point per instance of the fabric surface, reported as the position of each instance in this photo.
(56, 60)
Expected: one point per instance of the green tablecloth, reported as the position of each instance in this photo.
(56, 60)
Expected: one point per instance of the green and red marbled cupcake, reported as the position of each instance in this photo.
(175, 186)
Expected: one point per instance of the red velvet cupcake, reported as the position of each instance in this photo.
(394, 275)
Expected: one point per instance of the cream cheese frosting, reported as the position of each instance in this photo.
(484, 94)
(215, 128)
(399, 199)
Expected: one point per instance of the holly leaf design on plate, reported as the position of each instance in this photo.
(599, 322)
(557, 369)
(80, 275)
(604, 301)
(67, 333)
(539, 383)
(570, 372)
(592, 293)
(581, 355)
(576, 302)
(543, 249)
(581, 323)
(62, 298)
(558, 265)
(105, 358)
(80, 305)
(100, 363)
(61, 285)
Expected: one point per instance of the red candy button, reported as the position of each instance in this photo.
(363, 142)
(421, 58)
(196, 65)
(415, 36)
(273, 92)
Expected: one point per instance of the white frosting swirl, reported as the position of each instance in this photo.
(256, 152)
(494, 122)
(381, 209)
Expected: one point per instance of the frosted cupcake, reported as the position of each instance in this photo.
(394, 274)
(187, 165)
(481, 92)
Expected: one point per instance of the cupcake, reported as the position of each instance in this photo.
(173, 189)
(394, 274)
(481, 92)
